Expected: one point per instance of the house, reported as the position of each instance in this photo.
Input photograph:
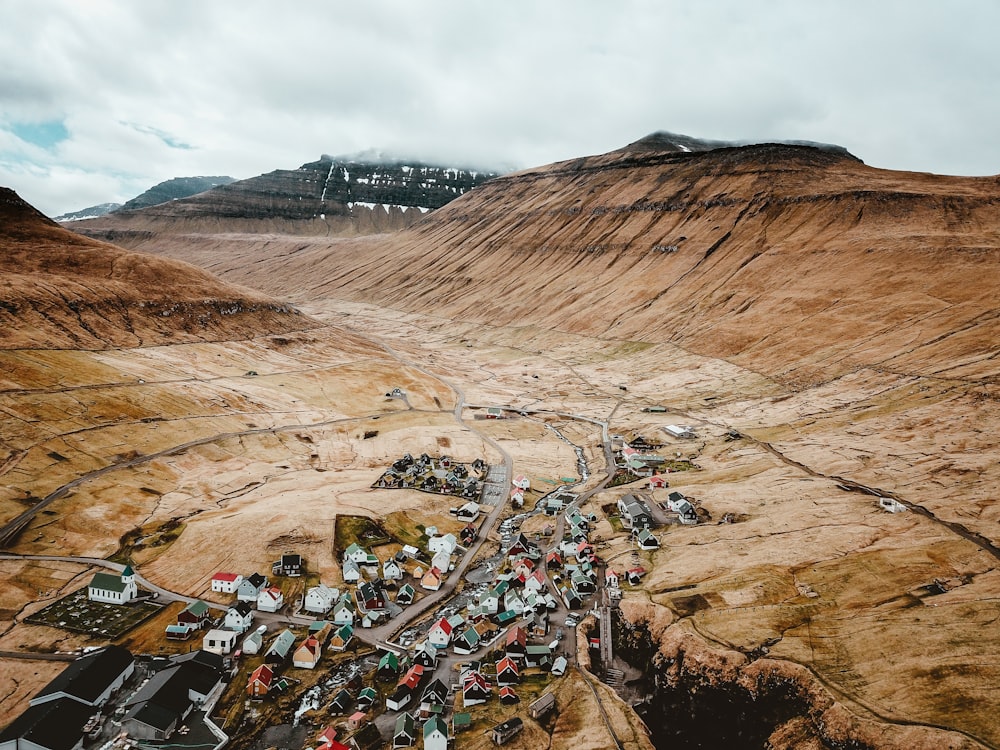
(410, 551)
(341, 702)
(537, 656)
(516, 642)
(367, 738)
(341, 637)
(90, 680)
(520, 546)
(468, 512)
(113, 589)
(503, 733)
(280, 648)
(367, 698)
(634, 575)
(460, 721)
(239, 617)
(249, 588)
(446, 543)
(635, 513)
(162, 704)
(270, 599)
(680, 431)
(357, 554)
(350, 572)
(54, 725)
(440, 633)
(253, 643)
(435, 694)
(494, 412)
(466, 641)
(521, 482)
(468, 534)
(554, 559)
(195, 615)
(611, 578)
(475, 688)
(571, 598)
(890, 505)
(639, 468)
(435, 734)
(343, 610)
(517, 498)
(680, 505)
(405, 689)
(370, 597)
(646, 540)
(559, 666)
(308, 654)
(391, 570)
(508, 696)
(320, 599)
(226, 583)
(260, 681)
(441, 561)
(431, 580)
(388, 666)
(327, 737)
(426, 656)
(405, 595)
(507, 672)
(290, 565)
(405, 733)
(658, 481)
(220, 641)
(545, 703)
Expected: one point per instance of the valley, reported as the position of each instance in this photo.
(818, 336)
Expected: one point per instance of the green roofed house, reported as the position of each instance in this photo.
(435, 734)
(405, 734)
(113, 589)
(460, 722)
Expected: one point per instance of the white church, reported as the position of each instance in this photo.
(113, 589)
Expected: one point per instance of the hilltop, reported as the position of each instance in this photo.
(61, 290)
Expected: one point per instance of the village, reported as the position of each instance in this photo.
(431, 633)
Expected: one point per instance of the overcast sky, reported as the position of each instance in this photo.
(101, 99)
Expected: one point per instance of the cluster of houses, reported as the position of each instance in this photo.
(74, 706)
(637, 456)
(441, 475)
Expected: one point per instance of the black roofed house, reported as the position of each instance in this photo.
(435, 692)
(91, 679)
(342, 702)
(160, 706)
(250, 587)
(289, 565)
(503, 733)
(53, 725)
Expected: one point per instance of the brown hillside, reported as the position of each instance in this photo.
(793, 261)
(61, 290)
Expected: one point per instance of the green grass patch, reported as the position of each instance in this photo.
(366, 531)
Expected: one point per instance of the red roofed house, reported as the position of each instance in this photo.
(431, 580)
(507, 672)
(517, 640)
(522, 482)
(260, 681)
(611, 578)
(439, 635)
(658, 481)
(308, 654)
(227, 583)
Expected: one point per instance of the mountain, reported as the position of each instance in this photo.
(174, 189)
(331, 196)
(91, 212)
(61, 290)
(795, 261)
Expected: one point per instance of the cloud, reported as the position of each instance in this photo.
(149, 91)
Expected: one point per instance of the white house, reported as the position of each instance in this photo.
(270, 600)
(351, 572)
(113, 589)
(439, 635)
(435, 734)
(468, 512)
(320, 599)
(391, 570)
(239, 617)
(521, 482)
(220, 641)
(253, 643)
(611, 578)
(226, 583)
(679, 431)
(357, 553)
(441, 561)
(343, 611)
(446, 543)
